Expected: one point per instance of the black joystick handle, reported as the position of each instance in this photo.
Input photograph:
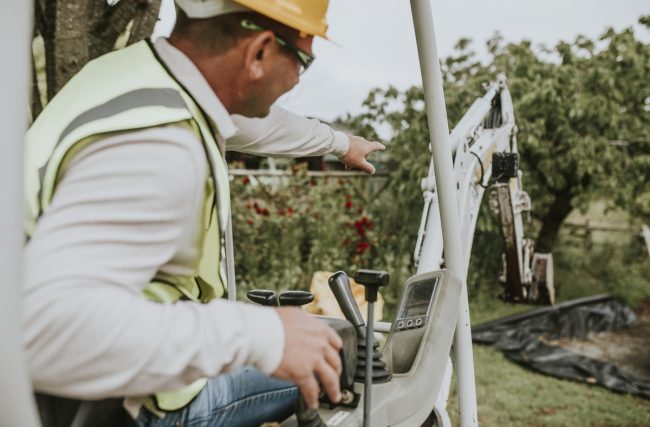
(263, 297)
(295, 298)
(372, 281)
(340, 286)
(306, 416)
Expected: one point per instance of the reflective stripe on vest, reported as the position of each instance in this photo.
(134, 92)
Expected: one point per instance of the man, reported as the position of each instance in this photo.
(127, 193)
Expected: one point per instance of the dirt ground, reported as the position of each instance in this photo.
(627, 347)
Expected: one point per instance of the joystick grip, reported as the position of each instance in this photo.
(295, 298)
(263, 297)
(340, 286)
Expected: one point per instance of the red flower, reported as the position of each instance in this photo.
(245, 180)
(289, 211)
(348, 204)
(346, 242)
(281, 212)
(313, 182)
(362, 246)
(366, 222)
(359, 225)
(249, 221)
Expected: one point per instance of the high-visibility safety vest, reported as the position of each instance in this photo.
(126, 90)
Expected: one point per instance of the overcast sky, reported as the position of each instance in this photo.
(375, 42)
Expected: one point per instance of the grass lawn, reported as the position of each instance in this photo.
(510, 395)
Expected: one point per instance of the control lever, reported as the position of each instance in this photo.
(340, 286)
(372, 280)
(306, 416)
(295, 298)
(263, 297)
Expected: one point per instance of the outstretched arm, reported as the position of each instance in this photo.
(285, 134)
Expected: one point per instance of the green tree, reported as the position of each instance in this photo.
(572, 104)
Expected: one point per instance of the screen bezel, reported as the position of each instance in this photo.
(404, 308)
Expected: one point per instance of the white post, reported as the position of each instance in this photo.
(447, 196)
(16, 399)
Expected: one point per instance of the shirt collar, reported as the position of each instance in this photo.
(191, 78)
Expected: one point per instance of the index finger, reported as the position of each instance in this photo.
(378, 146)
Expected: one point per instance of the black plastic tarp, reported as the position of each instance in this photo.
(523, 338)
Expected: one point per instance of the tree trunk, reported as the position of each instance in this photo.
(70, 43)
(77, 31)
(552, 221)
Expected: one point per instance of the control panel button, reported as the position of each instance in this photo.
(419, 321)
(409, 323)
(400, 325)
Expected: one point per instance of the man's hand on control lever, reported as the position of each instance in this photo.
(311, 352)
(360, 148)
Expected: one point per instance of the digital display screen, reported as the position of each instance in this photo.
(418, 298)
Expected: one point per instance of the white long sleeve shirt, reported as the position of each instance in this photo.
(128, 206)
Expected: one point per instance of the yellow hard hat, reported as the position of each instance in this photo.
(306, 16)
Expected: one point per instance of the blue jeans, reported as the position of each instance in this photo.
(244, 397)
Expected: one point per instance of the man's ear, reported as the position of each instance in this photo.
(257, 52)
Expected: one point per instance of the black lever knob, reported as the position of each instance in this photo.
(340, 286)
(263, 297)
(372, 280)
(306, 416)
(295, 298)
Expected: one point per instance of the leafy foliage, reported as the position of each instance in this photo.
(576, 105)
(285, 229)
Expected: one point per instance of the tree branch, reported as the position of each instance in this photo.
(36, 106)
(40, 23)
(106, 25)
(144, 21)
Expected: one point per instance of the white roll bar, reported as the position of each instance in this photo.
(16, 400)
(441, 151)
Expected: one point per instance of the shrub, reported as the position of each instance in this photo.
(286, 228)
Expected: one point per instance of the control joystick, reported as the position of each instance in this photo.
(295, 298)
(305, 416)
(263, 297)
(287, 298)
(340, 286)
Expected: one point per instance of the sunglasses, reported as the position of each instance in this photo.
(304, 59)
